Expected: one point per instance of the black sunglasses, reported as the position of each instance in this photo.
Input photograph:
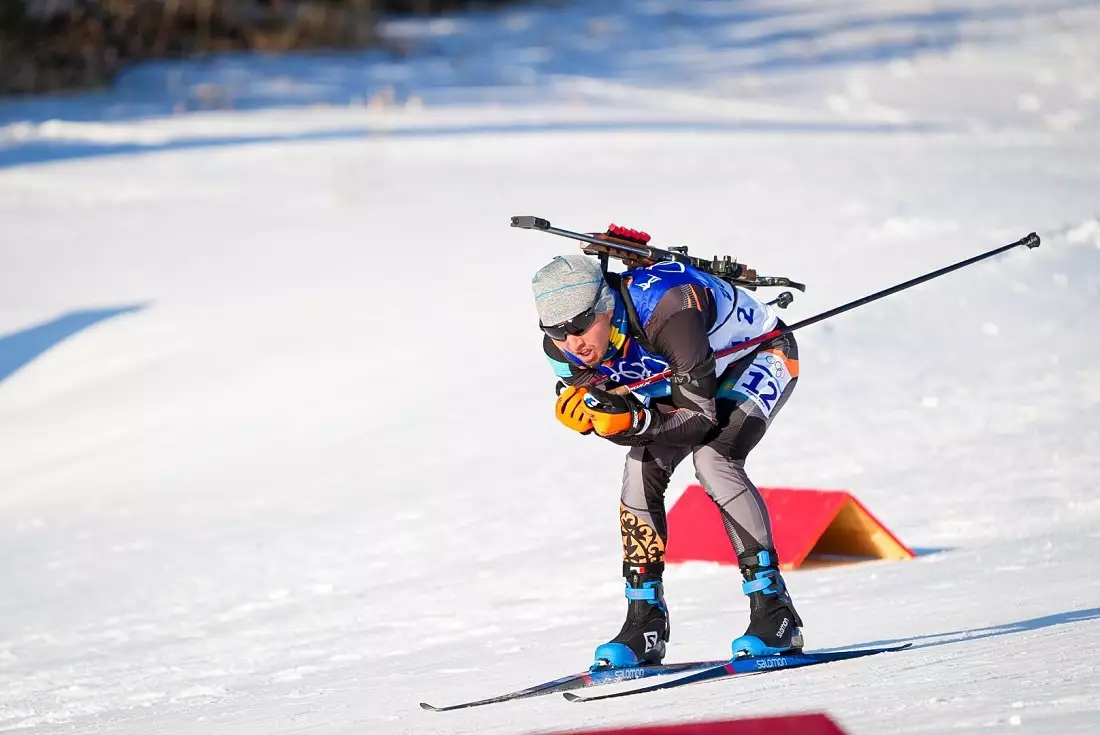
(576, 326)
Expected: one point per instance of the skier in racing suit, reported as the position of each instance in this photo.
(604, 330)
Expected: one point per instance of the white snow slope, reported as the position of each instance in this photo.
(302, 488)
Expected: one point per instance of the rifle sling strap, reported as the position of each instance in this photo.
(637, 330)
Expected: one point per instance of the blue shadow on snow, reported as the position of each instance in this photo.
(933, 640)
(20, 348)
(45, 152)
(930, 550)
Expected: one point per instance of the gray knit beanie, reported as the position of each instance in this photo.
(567, 286)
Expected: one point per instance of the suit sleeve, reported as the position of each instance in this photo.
(678, 331)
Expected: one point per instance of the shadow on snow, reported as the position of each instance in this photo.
(20, 348)
(932, 640)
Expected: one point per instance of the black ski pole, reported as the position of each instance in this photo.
(1031, 241)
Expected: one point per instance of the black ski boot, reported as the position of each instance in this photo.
(645, 632)
(774, 626)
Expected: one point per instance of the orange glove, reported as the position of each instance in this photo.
(611, 414)
(570, 408)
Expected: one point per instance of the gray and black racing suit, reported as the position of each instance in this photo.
(716, 418)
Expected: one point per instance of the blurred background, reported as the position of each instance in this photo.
(67, 45)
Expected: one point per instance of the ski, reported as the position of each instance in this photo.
(583, 679)
(747, 665)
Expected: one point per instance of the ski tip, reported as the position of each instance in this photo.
(896, 647)
(571, 697)
(430, 708)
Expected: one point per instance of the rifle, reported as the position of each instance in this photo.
(633, 249)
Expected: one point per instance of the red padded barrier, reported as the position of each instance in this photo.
(820, 526)
(808, 724)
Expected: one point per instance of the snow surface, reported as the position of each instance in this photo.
(289, 489)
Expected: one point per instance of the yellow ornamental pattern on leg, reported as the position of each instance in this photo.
(641, 542)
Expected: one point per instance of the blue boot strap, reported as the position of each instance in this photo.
(649, 591)
(764, 582)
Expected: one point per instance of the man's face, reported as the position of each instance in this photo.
(590, 346)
